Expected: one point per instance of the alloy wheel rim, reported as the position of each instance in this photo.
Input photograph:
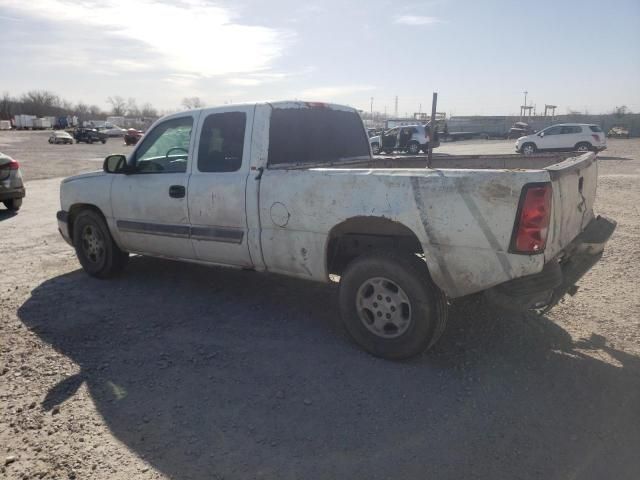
(92, 244)
(383, 307)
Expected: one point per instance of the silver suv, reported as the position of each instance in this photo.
(569, 137)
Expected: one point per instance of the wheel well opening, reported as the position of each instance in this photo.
(360, 235)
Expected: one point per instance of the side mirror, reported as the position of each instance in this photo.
(115, 164)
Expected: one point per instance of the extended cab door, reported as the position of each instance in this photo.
(217, 202)
(150, 203)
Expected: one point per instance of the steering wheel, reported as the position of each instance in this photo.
(176, 148)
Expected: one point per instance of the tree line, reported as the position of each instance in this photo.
(46, 103)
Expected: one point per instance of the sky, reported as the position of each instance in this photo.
(480, 56)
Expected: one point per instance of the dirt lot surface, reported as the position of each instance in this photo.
(186, 372)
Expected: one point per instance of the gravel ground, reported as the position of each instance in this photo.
(186, 372)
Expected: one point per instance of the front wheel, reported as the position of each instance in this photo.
(95, 248)
(414, 148)
(528, 149)
(103, 141)
(390, 306)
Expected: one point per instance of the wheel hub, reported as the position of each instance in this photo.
(93, 244)
(383, 307)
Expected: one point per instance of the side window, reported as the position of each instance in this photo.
(571, 129)
(222, 142)
(166, 148)
(553, 131)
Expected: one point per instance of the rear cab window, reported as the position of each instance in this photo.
(312, 135)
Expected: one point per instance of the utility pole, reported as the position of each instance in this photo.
(432, 128)
(396, 110)
(371, 108)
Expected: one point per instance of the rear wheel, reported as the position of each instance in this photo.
(390, 306)
(103, 141)
(583, 147)
(529, 148)
(95, 248)
(13, 204)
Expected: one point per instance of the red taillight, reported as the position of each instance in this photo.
(596, 137)
(532, 227)
(12, 165)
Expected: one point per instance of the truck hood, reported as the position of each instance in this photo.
(98, 173)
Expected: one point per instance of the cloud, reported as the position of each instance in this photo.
(190, 36)
(329, 93)
(416, 20)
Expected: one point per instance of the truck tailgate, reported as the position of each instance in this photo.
(574, 183)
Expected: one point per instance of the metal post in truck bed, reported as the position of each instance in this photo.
(432, 128)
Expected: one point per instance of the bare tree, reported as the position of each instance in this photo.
(192, 102)
(132, 108)
(40, 102)
(147, 110)
(118, 105)
(6, 106)
(82, 109)
(621, 111)
(95, 111)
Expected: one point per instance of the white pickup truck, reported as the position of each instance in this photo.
(292, 188)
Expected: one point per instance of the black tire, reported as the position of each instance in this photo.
(413, 148)
(583, 147)
(90, 140)
(528, 148)
(103, 141)
(375, 148)
(95, 248)
(13, 204)
(427, 306)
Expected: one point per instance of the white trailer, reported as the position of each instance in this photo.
(5, 125)
(22, 122)
(41, 123)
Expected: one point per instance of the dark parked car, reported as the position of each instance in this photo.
(89, 135)
(519, 129)
(11, 186)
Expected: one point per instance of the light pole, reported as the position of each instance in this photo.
(371, 108)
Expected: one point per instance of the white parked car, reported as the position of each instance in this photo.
(565, 137)
(292, 188)
(60, 136)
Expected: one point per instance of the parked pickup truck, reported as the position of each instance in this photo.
(292, 188)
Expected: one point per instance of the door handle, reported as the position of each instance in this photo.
(177, 191)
